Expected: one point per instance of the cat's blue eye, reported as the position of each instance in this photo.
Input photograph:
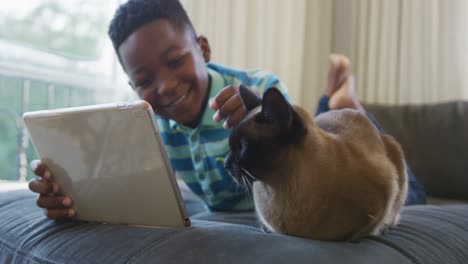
(243, 146)
(244, 143)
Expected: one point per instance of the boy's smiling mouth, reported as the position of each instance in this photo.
(177, 101)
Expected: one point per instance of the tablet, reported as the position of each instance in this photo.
(111, 160)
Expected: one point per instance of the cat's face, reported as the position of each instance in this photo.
(262, 137)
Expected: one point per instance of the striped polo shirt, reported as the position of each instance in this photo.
(197, 154)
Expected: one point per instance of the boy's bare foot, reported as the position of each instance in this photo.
(345, 97)
(337, 73)
(341, 85)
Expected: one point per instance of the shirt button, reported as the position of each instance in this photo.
(197, 157)
(201, 176)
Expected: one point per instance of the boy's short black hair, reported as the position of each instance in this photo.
(136, 13)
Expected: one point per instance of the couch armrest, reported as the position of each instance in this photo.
(435, 140)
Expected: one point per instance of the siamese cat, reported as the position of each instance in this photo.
(334, 177)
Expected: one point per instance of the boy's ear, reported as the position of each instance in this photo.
(205, 47)
(249, 98)
(275, 106)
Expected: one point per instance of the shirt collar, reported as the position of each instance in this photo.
(217, 83)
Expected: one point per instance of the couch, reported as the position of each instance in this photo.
(435, 140)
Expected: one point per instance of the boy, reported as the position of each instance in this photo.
(167, 66)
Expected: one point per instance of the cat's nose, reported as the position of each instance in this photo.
(228, 161)
(230, 166)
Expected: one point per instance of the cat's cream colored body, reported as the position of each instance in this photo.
(343, 182)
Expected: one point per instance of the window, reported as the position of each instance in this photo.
(53, 54)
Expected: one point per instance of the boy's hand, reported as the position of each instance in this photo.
(57, 206)
(228, 105)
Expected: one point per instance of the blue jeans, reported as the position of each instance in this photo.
(416, 192)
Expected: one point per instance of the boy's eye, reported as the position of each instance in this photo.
(143, 84)
(176, 62)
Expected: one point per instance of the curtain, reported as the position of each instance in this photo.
(405, 51)
(411, 51)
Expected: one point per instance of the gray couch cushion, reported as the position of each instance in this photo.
(427, 234)
(435, 140)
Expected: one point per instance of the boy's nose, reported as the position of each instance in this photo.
(166, 85)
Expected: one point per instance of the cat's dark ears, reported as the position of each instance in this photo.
(276, 106)
(273, 102)
(250, 99)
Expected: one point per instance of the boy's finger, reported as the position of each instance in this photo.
(54, 202)
(229, 107)
(40, 169)
(234, 118)
(60, 213)
(219, 100)
(43, 187)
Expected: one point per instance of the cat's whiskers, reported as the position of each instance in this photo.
(238, 184)
(248, 174)
(247, 184)
(243, 182)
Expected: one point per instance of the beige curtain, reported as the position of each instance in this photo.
(402, 51)
(405, 51)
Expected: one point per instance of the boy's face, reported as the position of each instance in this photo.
(166, 68)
